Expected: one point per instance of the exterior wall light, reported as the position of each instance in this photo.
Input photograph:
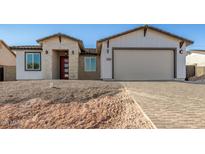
(72, 52)
(66, 53)
(181, 51)
(46, 52)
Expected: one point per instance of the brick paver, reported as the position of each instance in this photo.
(171, 104)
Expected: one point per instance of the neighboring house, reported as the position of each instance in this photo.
(143, 53)
(195, 61)
(196, 57)
(7, 63)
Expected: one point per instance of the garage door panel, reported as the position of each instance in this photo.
(143, 64)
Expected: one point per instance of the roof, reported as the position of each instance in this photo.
(26, 47)
(89, 51)
(58, 34)
(80, 42)
(149, 27)
(1, 41)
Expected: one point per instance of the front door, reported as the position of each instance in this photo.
(64, 67)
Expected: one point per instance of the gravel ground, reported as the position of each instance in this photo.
(68, 104)
(195, 79)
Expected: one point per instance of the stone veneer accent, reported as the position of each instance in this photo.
(47, 59)
(73, 64)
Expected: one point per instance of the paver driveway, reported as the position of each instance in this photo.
(171, 104)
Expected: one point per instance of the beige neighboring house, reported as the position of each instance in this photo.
(196, 59)
(7, 63)
(143, 53)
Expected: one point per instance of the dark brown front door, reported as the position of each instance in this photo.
(64, 67)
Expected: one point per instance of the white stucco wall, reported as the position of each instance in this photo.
(136, 39)
(21, 74)
(196, 59)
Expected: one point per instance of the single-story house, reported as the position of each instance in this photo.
(7, 63)
(143, 53)
(195, 61)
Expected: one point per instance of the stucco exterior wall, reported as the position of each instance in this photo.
(199, 70)
(136, 39)
(89, 75)
(6, 57)
(196, 58)
(21, 73)
(9, 73)
(54, 44)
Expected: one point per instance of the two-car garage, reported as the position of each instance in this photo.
(143, 64)
(143, 53)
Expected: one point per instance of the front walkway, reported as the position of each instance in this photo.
(170, 104)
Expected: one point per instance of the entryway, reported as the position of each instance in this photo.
(60, 64)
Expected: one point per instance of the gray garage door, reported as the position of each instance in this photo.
(143, 64)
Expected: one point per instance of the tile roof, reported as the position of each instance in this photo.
(26, 47)
(58, 34)
(89, 51)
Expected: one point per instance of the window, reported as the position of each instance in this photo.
(33, 61)
(90, 64)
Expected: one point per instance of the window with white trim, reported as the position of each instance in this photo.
(90, 64)
(33, 61)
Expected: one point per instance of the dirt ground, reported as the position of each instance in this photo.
(68, 104)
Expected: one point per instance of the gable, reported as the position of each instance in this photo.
(56, 43)
(145, 29)
(60, 38)
(145, 36)
(152, 39)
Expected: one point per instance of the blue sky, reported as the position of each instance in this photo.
(28, 34)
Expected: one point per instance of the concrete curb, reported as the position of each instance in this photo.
(145, 115)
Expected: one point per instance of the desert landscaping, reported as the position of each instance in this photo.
(68, 104)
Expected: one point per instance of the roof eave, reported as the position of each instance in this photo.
(58, 34)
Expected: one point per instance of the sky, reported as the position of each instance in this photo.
(22, 34)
